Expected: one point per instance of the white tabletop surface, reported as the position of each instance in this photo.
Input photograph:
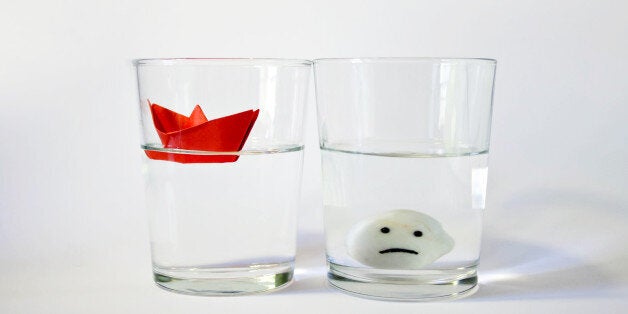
(566, 261)
(73, 233)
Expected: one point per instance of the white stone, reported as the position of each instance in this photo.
(399, 248)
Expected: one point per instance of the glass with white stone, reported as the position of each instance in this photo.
(405, 145)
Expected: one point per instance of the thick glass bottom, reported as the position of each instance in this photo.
(224, 281)
(412, 285)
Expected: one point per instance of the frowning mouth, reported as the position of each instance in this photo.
(398, 250)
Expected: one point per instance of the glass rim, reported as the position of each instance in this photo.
(221, 61)
(404, 59)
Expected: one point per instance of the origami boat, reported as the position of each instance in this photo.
(226, 134)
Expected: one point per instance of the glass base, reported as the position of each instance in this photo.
(411, 285)
(224, 281)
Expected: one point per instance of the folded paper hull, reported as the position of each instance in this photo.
(226, 134)
(188, 159)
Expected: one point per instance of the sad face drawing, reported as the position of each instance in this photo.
(398, 239)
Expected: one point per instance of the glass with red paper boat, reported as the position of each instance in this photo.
(223, 153)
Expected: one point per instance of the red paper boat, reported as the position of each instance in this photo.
(226, 134)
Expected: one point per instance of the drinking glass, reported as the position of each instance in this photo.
(405, 145)
(223, 157)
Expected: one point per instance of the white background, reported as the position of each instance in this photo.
(73, 235)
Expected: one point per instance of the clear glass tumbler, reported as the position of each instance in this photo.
(405, 146)
(224, 152)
